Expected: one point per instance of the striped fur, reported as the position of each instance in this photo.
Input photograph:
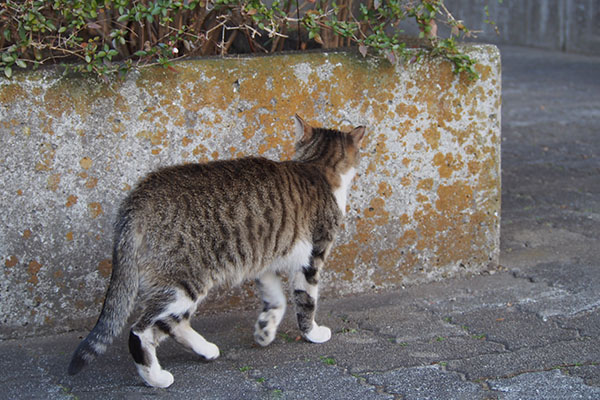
(187, 228)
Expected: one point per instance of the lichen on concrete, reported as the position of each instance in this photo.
(426, 203)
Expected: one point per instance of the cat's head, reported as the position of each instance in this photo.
(329, 147)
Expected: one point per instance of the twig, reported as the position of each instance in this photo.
(229, 42)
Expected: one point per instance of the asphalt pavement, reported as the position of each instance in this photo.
(528, 329)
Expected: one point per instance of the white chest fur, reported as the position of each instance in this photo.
(341, 193)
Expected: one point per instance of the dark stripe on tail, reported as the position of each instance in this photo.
(84, 353)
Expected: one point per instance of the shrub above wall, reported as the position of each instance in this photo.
(104, 37)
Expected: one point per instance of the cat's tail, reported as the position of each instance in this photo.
(119, 300)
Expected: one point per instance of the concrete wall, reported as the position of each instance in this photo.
(567, 25)
(426, 204)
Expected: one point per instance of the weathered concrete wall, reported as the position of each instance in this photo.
(426, 204)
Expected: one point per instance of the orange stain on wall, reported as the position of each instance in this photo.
(47, 153)
(425, 184)
(85, 163)
(91, 182)
(385, 189)
(377, 212)
(105, 268)
(447, 164)
(71, 200)
(432, 136)
(11, 262)
(32, 269)
(95, 209)
(345, 256)
(53, 182)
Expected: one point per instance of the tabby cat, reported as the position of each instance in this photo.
(188, 228)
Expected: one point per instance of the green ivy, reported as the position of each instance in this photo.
(105, 37)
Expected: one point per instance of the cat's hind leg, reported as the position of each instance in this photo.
(306, 293)
(146, 335)
(184, 334)
(175, 321)
(142, 345)
(165, 314)
(271, 293)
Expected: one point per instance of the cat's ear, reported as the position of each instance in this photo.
(357, 135)
(303, 130)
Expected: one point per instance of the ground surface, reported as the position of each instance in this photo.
(528, 330)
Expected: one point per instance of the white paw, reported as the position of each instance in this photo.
(318, 334)
(264, 337)
(209, 350)
(158, 378)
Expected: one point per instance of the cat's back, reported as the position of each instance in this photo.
(243, 182)
(223, 175)
(217, 173)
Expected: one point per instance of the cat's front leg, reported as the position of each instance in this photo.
(306, 293)
(269, 286)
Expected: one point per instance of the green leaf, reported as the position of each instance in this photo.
(88, 59)
(62, 29)
(8, 72)
(22, 33)
(140, 53)
(21, 63)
